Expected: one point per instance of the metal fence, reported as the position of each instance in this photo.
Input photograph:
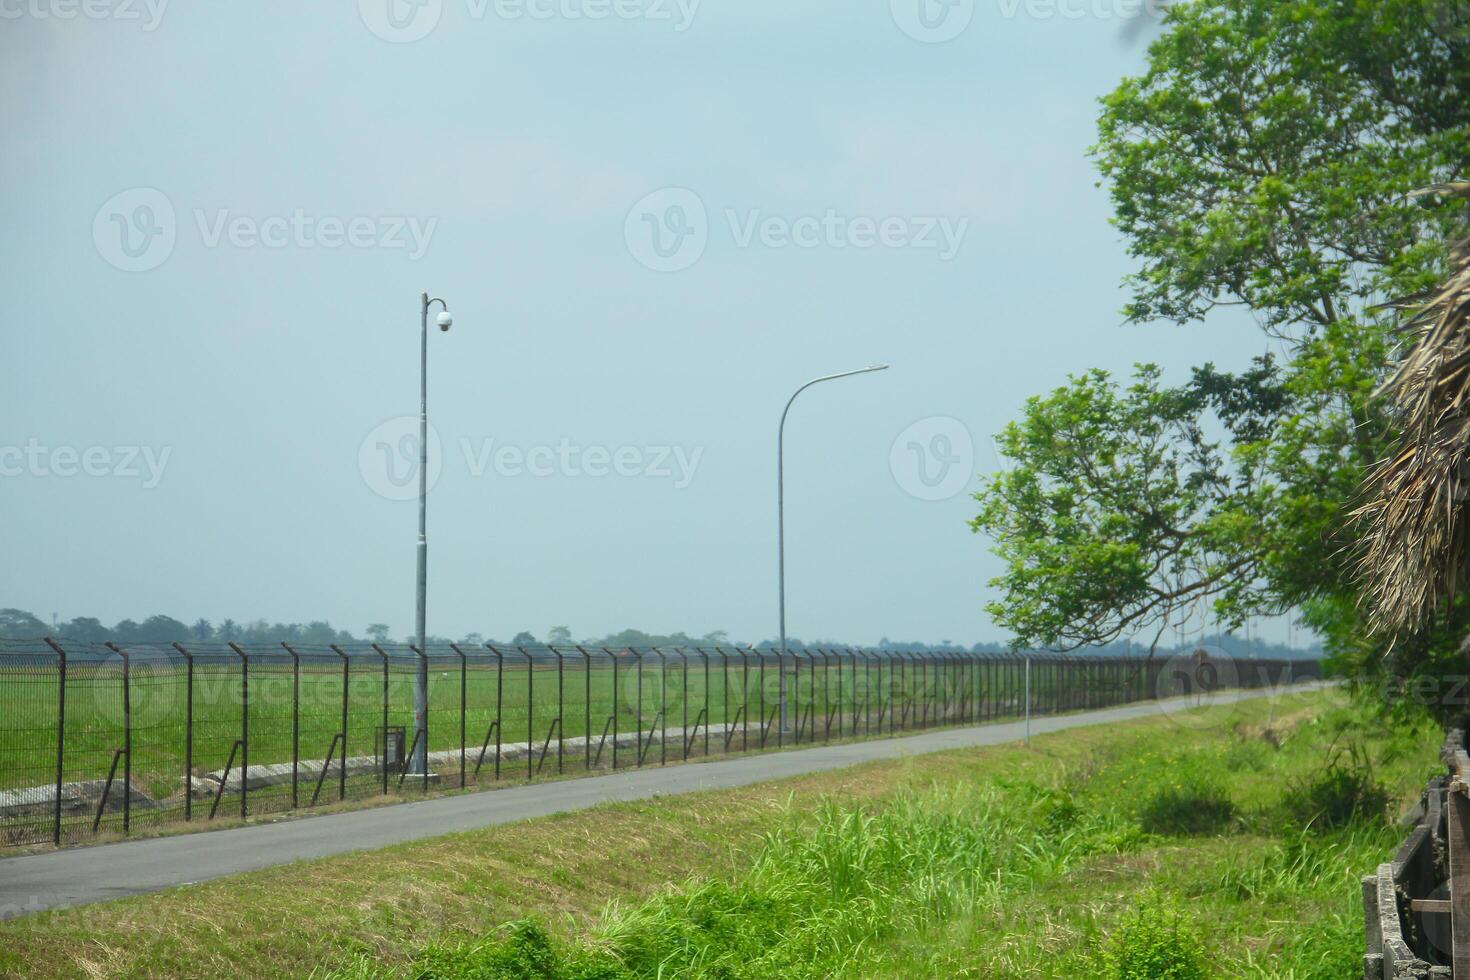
(100, 739)
(1415, 910)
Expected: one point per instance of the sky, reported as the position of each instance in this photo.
(652, 221)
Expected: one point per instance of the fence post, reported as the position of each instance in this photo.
(638, 706)
(868, 690)
(616, 708)
(423, 733)
(127, 736)
(725, 695)
(878, 689)
(663, 708)
(586, 710)
(560, 712)
(795, 693)
(1028, 699)
(745, 702)
(684, 736)
(342, 770)
(499, 700)
(827, 695)
(705, 657)
(530, 714)
(60, 736)
(295, 720)
(463, 707)
(188, 732)
(384, 767)
(924, 690)
(244, 730)
(903, 682)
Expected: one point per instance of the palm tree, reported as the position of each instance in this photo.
(1417, 539)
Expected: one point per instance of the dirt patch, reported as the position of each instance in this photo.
(1274, 731)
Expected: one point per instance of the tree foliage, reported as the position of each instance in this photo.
(1263, 160)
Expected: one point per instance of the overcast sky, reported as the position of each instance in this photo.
(652, 220)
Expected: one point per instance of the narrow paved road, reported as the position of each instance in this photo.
(76, 876)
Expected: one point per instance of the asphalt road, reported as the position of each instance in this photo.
(81, 875)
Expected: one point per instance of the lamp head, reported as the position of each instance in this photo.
(445, 321)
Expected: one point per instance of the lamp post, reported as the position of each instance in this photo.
(781, 523)
(419, 764)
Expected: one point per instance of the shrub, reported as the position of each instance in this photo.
(1247, 755)
(525, 954)
(1195, 805)
(1341, 792)
(1154, 943)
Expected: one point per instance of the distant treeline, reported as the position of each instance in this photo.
(20, 624)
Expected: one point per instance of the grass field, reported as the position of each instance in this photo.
(995, 862)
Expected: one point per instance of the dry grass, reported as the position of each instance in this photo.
(1418, 539)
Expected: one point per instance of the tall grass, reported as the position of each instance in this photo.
(1104, 869)
(821, 896)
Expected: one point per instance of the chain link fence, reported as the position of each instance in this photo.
(98, 739)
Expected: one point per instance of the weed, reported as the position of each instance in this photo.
(1153, 942)
(1195, 804)
(1344, 790)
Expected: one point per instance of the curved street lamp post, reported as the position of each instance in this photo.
(781, 526)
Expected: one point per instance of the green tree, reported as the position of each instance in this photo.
(378, 632)
(1263, 161)
(19, 624)
(558, 636)
(86, 629)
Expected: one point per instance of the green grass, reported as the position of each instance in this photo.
(995, 862)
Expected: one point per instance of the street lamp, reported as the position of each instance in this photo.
(781, 524)
(419, 764)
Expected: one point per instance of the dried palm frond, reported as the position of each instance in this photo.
(1417, 541)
